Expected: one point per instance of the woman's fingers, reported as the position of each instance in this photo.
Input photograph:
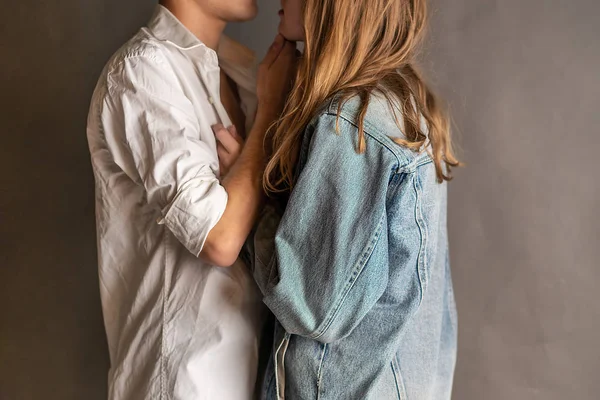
(227, 138)
(275, 77)
(274, 50)
(234, 133)
(229, 146)
(224, 159)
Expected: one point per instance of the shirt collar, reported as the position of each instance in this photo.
(166, 27)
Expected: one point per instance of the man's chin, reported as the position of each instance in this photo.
(244, 15)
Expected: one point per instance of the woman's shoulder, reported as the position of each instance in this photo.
(381, 125)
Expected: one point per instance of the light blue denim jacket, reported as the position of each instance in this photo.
(356, 271)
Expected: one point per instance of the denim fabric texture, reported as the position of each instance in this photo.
(355, 268)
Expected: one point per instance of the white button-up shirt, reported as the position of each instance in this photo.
(177, 328)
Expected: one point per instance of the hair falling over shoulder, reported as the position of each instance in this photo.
(353, 48)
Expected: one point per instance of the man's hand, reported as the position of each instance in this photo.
(229, 146)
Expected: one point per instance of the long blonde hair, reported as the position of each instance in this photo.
(353, 47)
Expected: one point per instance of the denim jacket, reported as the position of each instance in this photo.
(356, 269)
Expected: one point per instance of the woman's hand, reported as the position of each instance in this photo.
(229, 146)
(276, 74)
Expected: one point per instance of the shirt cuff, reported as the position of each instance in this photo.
(194, 211)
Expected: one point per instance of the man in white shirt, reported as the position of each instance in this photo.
(178, 325)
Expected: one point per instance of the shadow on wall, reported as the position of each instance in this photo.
(52, 342)
(259, 33)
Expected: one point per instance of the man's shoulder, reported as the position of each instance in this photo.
(139, 63)
(142, 46)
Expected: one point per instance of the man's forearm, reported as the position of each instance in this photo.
(245, 196)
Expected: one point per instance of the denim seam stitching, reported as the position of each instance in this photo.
(320, 371)
(357, 270)
(412, 167)
(392, 147)
(394, 152)
(451, 307)
(399, 381)
(421, 258)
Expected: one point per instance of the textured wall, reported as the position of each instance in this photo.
(52, 343)
(522, 79)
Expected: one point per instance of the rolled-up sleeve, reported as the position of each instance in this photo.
(160, 148)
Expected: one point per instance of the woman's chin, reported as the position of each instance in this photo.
(281, 29)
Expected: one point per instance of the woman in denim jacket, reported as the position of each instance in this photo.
(355, 268)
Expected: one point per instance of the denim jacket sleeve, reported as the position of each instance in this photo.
(330, 262)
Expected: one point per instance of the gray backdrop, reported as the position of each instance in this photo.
(523, 83)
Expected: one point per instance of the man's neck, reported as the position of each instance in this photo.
(204, 26)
